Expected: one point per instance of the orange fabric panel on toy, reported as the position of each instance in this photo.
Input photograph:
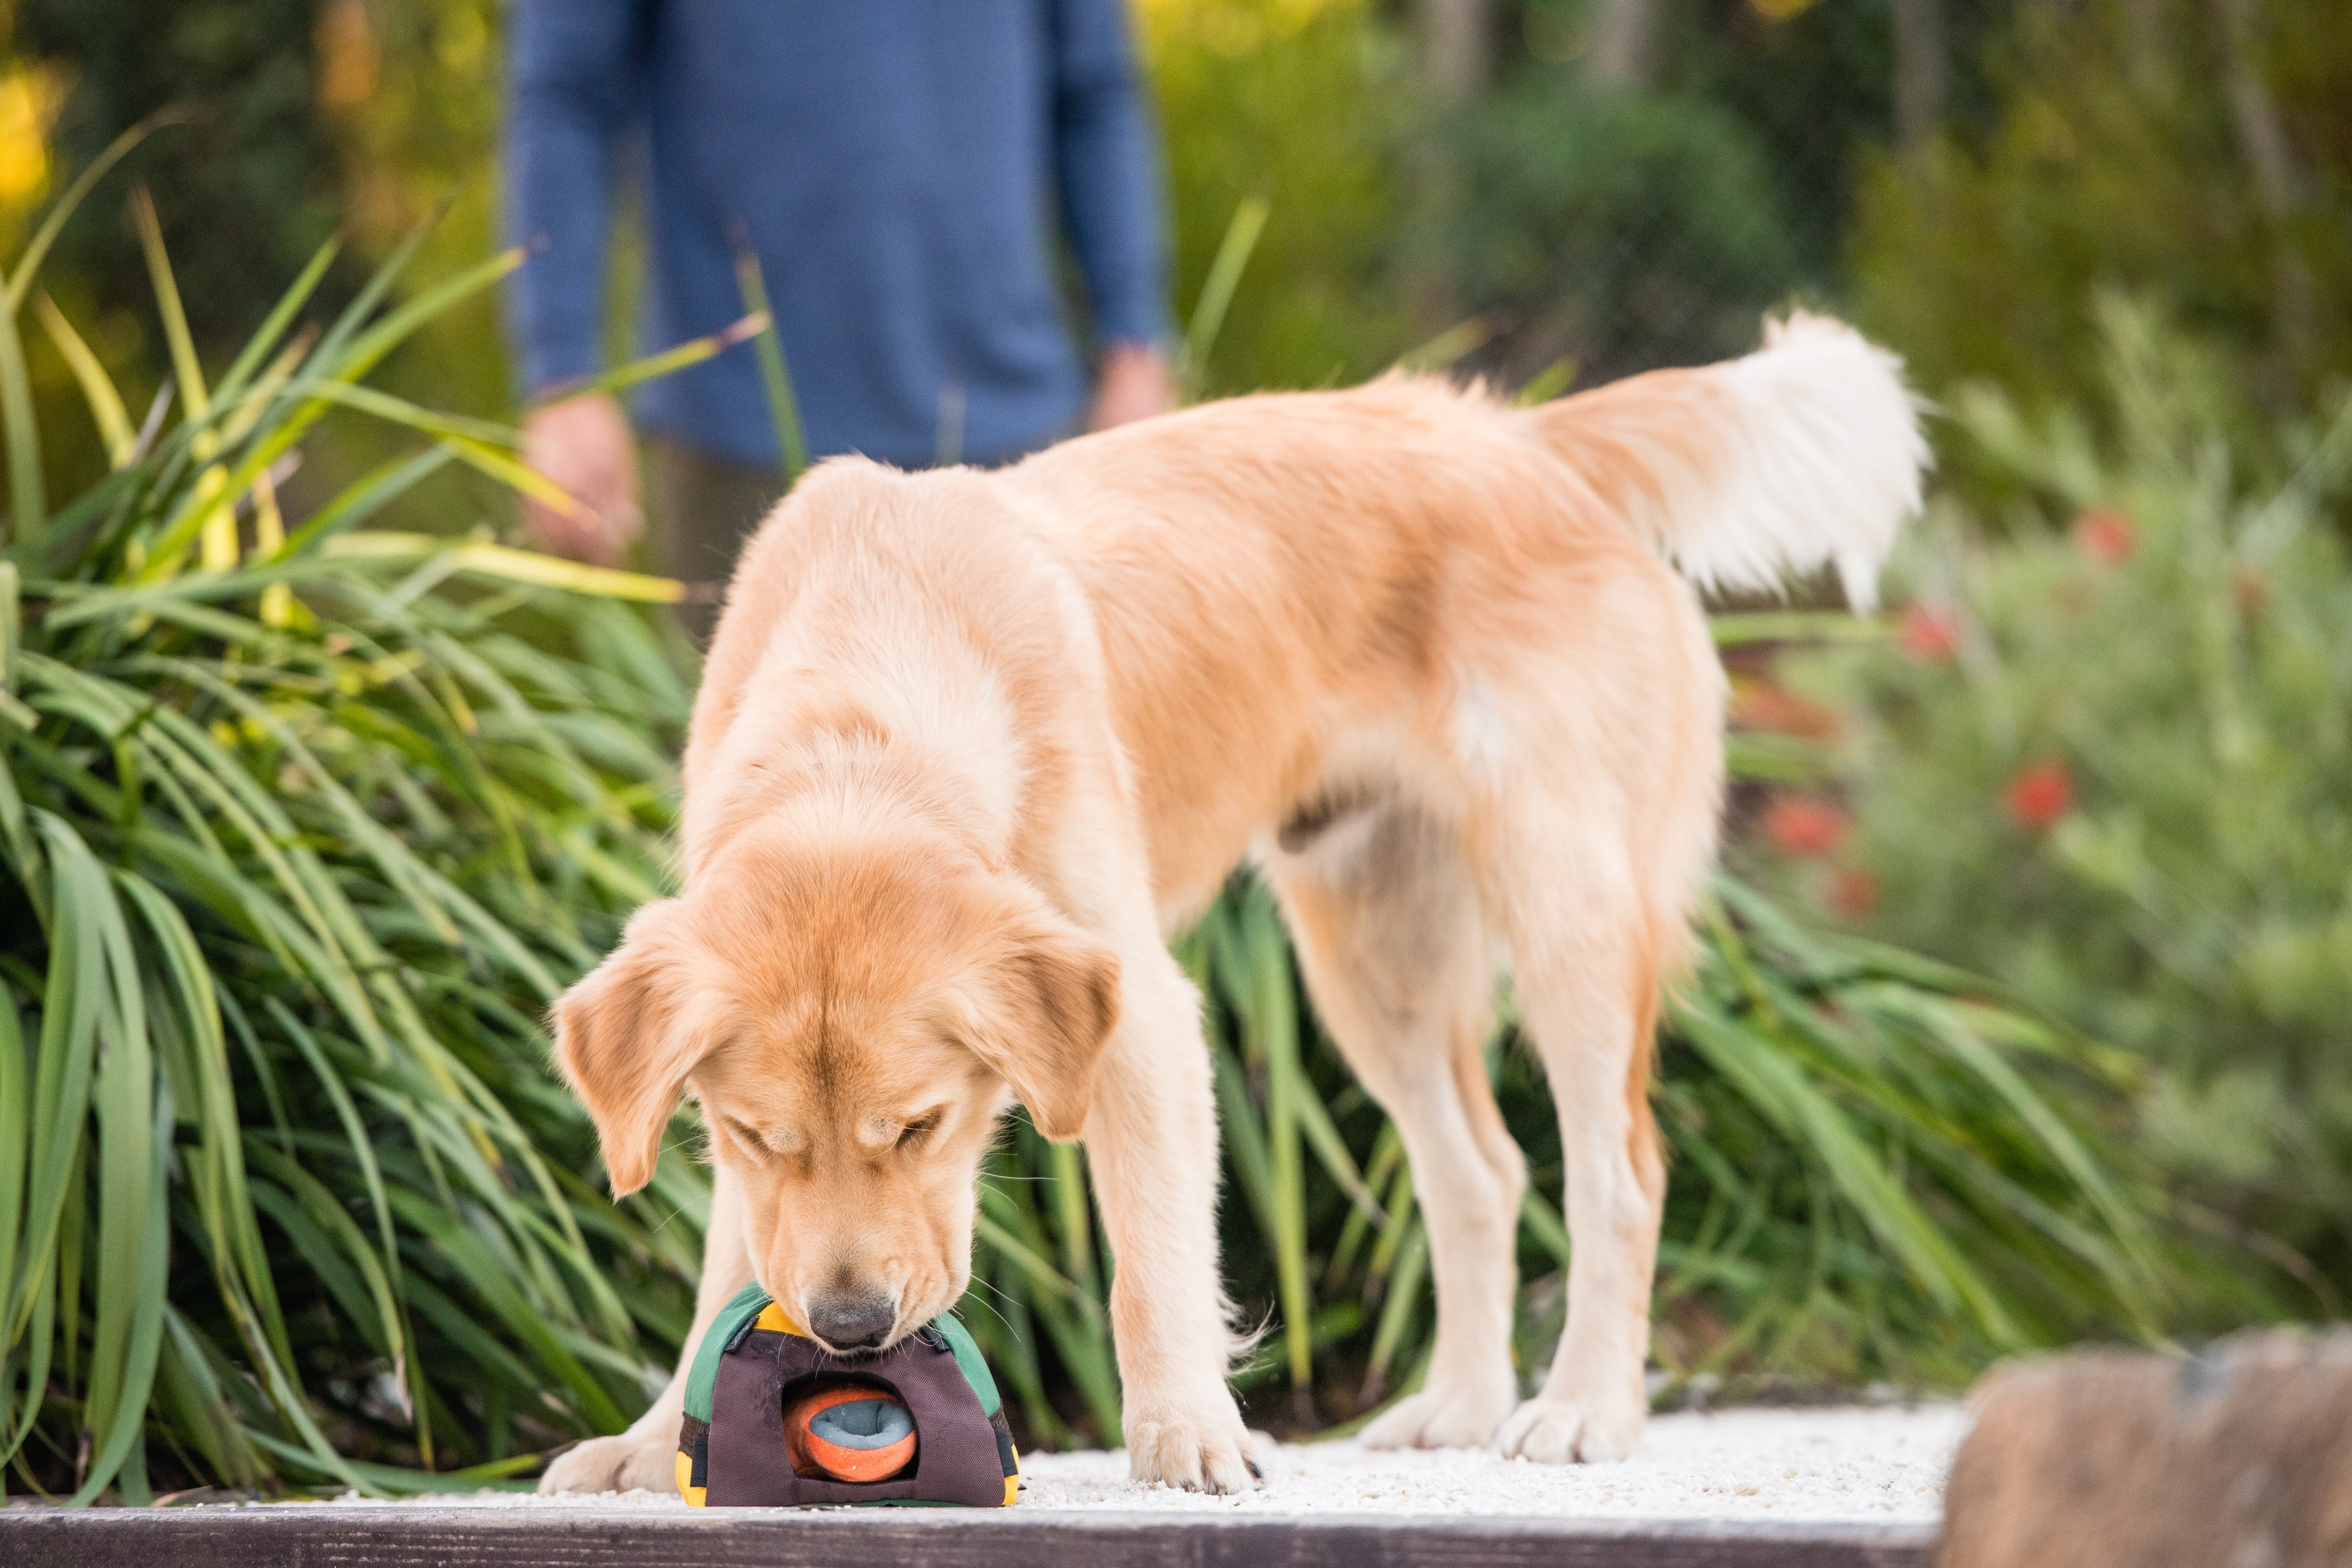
(848, 1432)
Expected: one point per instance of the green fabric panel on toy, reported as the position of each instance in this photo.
(971, 1363)
(747, 1305)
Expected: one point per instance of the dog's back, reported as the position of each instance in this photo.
(1291, 590)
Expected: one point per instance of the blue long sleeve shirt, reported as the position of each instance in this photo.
(898, 166)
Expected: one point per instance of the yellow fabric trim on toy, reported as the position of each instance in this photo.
(773, 1317)
(694, 1494)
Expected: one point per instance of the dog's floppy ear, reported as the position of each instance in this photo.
(626, 1036)
(1041, 1008)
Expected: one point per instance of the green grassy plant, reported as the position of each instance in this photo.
(301, 828)
(2191, 153)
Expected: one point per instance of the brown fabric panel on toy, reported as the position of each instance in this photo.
(957, 1457)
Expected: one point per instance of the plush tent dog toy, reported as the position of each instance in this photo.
(773, 1419)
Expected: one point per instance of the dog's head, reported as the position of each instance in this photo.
(855, 1019)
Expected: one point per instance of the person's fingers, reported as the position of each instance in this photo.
(583, 446)
(568, 534)
(591, 540)
(1136, 383)
(620, 522)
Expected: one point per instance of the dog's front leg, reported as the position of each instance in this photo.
(646, 1454)
(1151, 1140)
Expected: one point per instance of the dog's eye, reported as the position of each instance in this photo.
(921, 1128)
(770, 1141)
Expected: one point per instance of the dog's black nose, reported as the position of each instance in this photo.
(852, 1321)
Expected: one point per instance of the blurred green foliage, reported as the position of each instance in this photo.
(2198, 155)
(1612, 228)
(253, 165)
(1302, 103)
(2112, 767)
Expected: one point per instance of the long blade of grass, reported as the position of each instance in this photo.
(192, 1401)
(1540, 1220)
(264, 342)
(364, 498)
(1244, 1137)
(1315, 1125)
(106, 407)
(1271, 1015)
(217, 1167)
(334, 362)
(29, 506)
(37, 249)
(1388, 1152)
(186, 371)
(121, 1450)
(1217, 290)
(775, 376)
(11, 615)
(1765, 1073)
(71, 1003)
(515, 565)
(1396, 1310)
(1548, 383)
(1457, 342)
(15, 1154)
(652, 367)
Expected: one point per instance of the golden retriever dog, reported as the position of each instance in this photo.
(971, 745)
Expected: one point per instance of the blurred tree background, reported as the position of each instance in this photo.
(2098, 754)
(1600, 185)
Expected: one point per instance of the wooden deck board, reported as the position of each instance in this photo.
(426, 1536)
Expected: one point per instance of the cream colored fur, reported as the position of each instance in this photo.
(971, 745)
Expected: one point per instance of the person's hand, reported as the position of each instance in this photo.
(584, 445)
(1135, 385)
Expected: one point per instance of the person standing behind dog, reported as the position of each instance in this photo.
(895, 165)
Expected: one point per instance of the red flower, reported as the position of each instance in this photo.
(2040, 795)
(1805, 826)
(2107, 537)
(1853, 893)
(1930, 632)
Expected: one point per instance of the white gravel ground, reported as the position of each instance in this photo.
(1880, 1466)
(1877, 1465)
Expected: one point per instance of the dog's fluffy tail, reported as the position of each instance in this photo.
(1807, 452)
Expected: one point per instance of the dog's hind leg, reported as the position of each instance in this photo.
(1588, 954)
(1385, 917)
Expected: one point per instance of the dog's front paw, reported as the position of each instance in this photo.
(630, 1462)
(1565, 1431)
(1442, 1418)
(1210, 1451)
